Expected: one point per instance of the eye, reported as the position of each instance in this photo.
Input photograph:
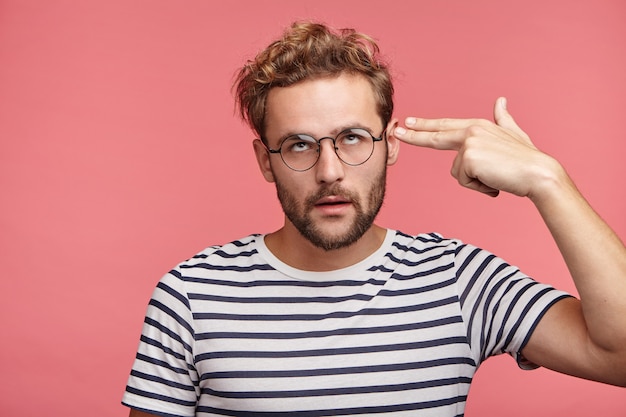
(299, 144)
(353, 137)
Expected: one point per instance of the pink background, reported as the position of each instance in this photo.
(120, 156)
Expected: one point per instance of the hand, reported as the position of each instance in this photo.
(490, 156)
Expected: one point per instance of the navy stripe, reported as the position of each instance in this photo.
(326, 333)
(301, 300)
(421, 261)
(334, 315)
(279, 300)
(161, 285)
(163, 381)
(488, 344)
(399, 233)
(163, 398)
(168, 332)
(434, 237)
(232, 268)
(380, 268)
(441, 268)
(419, 251)
(176, 273)
(419, 290)
(332, 352)
(461, 268)
(244, 254)
(539, 317)
(528, 306)
(339, 391)
(409, 366)
(488, 294)
(236, 243)
(156, 413)
(249, 240)
(160, 363)
(159, 305)
(338, 412)
(157, 344)
(476, 273)
(283, 283)
(490, 310)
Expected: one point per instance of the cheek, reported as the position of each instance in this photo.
(376, 184)
(291, 186)
(377, 170)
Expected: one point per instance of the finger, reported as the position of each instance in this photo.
(504, 119)
(474, 184)
(460, 174)
(444, 140)
(435, 125)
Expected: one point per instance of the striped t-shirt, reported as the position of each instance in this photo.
(234, 331)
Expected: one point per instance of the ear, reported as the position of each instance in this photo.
(263, 159)
(393, 144)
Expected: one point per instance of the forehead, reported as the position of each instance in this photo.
(321, 106)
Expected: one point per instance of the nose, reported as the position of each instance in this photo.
(329, 167)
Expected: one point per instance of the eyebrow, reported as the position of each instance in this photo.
(333, 133)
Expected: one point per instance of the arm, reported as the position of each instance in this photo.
(596, 259)
(586, 337)
(162, 379)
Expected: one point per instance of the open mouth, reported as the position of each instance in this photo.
(333, 206)
(332, 201)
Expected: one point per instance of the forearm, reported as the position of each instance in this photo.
(594, 254)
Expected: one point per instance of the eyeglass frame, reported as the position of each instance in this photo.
(375, 139)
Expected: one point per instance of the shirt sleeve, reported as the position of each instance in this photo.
(500, 305)
(163, 379)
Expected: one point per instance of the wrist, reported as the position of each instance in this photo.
(550, 182)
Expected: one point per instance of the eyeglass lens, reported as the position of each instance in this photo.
(352, 146)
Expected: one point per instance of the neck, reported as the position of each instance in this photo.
(288, 245)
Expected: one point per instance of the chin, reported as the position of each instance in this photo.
(334, 241)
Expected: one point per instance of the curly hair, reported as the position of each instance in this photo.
(310, 50)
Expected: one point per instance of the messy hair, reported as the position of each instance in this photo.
(310, 50)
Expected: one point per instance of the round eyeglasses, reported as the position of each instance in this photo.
(301, 152)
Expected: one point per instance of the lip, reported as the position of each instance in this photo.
(332, 199)
(332, 205)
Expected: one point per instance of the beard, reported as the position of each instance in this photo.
(300, 217)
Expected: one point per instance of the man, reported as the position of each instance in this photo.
(335, 315)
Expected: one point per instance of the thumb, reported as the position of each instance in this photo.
(504, 119)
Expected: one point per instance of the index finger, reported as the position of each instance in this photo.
(444, 133)
(442, 124)
(438, 139)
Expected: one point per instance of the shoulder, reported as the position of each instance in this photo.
(220, 263)
(237, 252)
(241, 247)
(424, 254)
(425, 242)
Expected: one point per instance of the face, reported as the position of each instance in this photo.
(301, 215)
(332, 204)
